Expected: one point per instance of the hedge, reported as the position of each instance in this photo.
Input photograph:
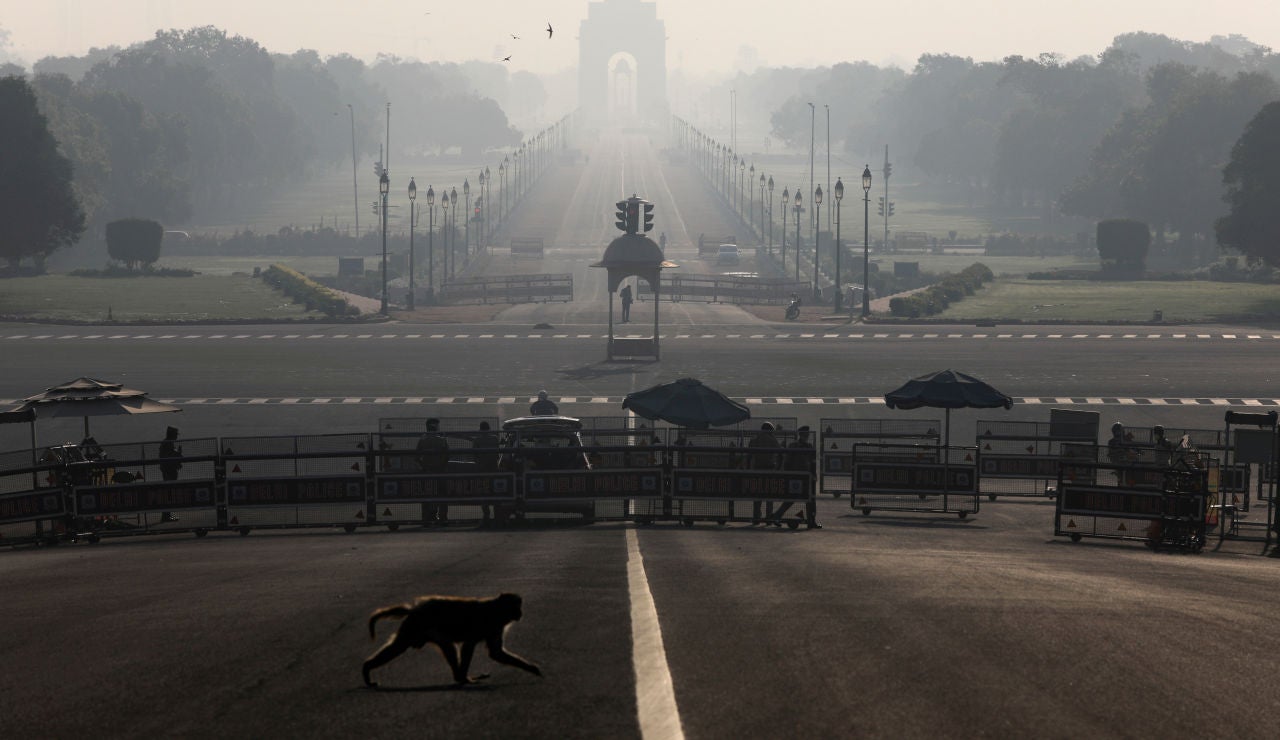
(949, 289)
(303, 289)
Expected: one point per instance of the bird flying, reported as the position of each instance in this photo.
(549, 31)
(507, 58)
(517, 38)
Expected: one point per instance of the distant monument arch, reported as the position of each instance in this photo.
(622, 61)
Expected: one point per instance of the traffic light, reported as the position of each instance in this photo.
(621, 223)
(880, 208)
(648, 216)
(890, 208)
(633, 217)
(888, 169)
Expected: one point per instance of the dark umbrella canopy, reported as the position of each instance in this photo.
(946, 389)
(87, 397)
(687, 403)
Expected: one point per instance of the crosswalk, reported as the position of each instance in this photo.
(490, 400)
(413, 335)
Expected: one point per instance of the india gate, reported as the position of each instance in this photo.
(622, 62)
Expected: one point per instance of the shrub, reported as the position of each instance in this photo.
(306, 291)
(134, 241)
(947, 290)
(1122, 247)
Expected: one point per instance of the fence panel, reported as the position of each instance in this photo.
(914, 478)
(839, 435)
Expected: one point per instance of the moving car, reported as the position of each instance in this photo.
(727, 255)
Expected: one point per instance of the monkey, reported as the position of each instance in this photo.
(446, 621)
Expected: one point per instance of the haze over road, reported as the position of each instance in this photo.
(883, 626)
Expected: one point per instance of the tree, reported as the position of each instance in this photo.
(1122, 247)
(134, 241)
(39, 212)
(1252, 180)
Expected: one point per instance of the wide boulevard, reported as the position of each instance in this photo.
(891, 626)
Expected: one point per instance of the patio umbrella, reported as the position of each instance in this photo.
(946, 389)
(688, 403)
(87, 397)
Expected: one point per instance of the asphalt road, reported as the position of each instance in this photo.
(885, 626)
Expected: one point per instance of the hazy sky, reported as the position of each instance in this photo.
(702, 36)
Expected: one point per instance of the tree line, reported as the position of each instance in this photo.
(199, 124)
(1143, 130)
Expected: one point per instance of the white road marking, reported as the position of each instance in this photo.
(655, 694)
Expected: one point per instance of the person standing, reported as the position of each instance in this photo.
(626, 303)
(170, 465)
(800, 457)
(433, 458)
(486, 456)
(764, 458)
(543, 406)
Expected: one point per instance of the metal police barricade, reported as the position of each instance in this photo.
(742, 476)
(126, 489)
(441, 475)
(471, 440)
(33, 502)
(1021, 458)
(919, 478)
(1119, 504)
(627, 474)
(299, 481)
(839, 435)
(1254, 442)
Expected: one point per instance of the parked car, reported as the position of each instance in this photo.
(545, 443)
(727, 255)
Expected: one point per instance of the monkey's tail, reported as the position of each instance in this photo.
(399, 611)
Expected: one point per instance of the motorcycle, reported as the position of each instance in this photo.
(793, 309)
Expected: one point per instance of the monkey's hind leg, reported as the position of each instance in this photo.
(387, 653)
(468, 649)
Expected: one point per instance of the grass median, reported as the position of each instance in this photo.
(201, 298)
(1078, 300)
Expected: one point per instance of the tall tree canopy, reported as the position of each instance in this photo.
(38, 210)
(1252, 179)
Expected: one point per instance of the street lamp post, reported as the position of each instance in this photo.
(480, 223)
(431, 245)
(751, 198)
(413, 196)
(355, 190)
(444, 234)
(466, 219)
(770, 214)
(866, 242)
(817, 239)
(502, 172)
(742, 173)
(799, 210)
(761, 206)
(384, 185)
(786, 203)
(453, 231)
(839, 299)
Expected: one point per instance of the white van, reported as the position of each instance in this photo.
(727, 255)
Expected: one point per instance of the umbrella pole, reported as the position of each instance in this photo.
(86, 427)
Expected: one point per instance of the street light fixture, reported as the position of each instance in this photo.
(751, 196)
(817, 239)
(839, 299)
(866, 242)
(384, 185)
(480, 223)
(413, 196)
(431, 245)
(761, 206)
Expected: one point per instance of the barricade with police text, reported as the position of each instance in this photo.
(914, 478)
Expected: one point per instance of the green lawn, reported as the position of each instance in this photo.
(1078, 300)
(224, 266)
(199, 298)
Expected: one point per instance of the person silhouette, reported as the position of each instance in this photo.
(626, 303)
